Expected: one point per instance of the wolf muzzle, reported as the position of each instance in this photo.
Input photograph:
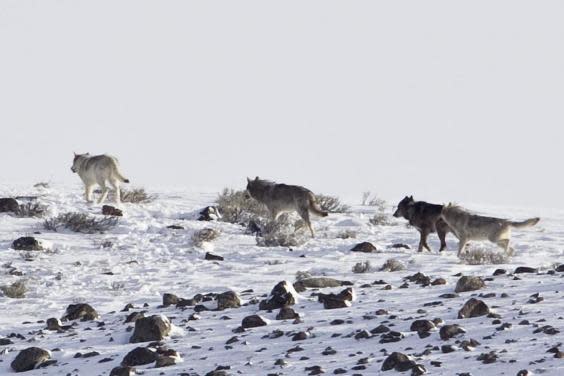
(73, 170)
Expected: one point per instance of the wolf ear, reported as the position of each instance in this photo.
(257, 178)
(74, 153)
(411, 197)
(248, 180)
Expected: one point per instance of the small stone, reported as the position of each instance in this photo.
(473, 308)
(253, 321)
(29, 359)
(469, 283)
(365, 247)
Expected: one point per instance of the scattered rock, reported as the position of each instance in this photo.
(419, 278)
(282, 295)
(123, 371)
(152, 328)
(211, 257)
(340, 300)
(438, 281)
(365, 247)
(469, 283)
(170, 299)
(27, 243)
(9, 205)
(422, 327)
(81, 311)
(253, 321)
(499, 272)
(113, 211)
(473, 308)
(449, 331)
(228, 299)
(398, 361)
(175, 227)
(29, 359)
(319, 283)
(139, 356)
(487, 358)
(287, 313)
(525, 269)
(209, 213)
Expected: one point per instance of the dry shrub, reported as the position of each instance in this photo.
(392, 265)
(80, 222)
(30, 210)
(347, 234)
(41, 184)
(332, 204)
(362, 267)
(16, 290)
(483, 256)
(283, 232)
(301, 275)
(136, 196)
(237, 207)
(204, 235)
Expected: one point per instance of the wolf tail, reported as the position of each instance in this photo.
(118, 174)
(524, 224)
(314, 207)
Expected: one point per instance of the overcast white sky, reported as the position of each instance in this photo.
(445, 100)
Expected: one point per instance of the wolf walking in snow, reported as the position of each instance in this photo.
(467, 226)
(426, 218)
(280, 198)
(98, 169)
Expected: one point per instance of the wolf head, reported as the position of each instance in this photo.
(401, 211)
(252, 187)
(77, 161)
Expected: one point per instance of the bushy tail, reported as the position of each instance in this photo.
(314, 207)
(118, 174)
(528, 223)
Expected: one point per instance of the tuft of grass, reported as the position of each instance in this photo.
(332, 204)
(392, 265)
(482, 256)
(347, 234)
(237, 207)
(31, 210)
(41, 184)
(80, 222)
(16, 290)
(136, 196)
(362, 267)
(204, 235)
(301, 275)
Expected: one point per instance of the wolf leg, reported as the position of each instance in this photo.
(504, 244)
(104, 192)
(461, 245)
(115, 186)
(88, 192)
(424, 238)
(442, 238)
(305, 216)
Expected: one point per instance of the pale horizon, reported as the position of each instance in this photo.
(446, 101)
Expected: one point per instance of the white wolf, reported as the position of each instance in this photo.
(98, 169)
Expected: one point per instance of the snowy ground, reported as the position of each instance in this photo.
(147, 259)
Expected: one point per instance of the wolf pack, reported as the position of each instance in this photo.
(427, 218)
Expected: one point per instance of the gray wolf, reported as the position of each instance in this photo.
(467, 226)
(281, 198)
(98, 169)
(426, 218)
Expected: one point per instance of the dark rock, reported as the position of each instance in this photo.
(139, 356)
(165, 361)
(419, 278)
(27, 243)
(287, 313)
(422, 326)
(469, 345)
(445, 349)
(365, 247)
(81, 311)
(340, 300)
(418, 370)
(29, 359)
(469, 283)
(391, 336)
(170, 299)
(319, 283)
(282, 295)
(134, 316)
(300, 336)
(253, 229)
(397, 361)
(228, 299)
(438, 281)
(499, 272)
(400, 245)
(560, 268)
(123, 371)
(110, 210)
(209, 213)
(449, 331)
(175, 227)
(523, 372)
(473, 308)
(525, 269)
(487, 358)
(253, 321)
(152, 328)
(9, 205)
(380, 329)
(211, 257)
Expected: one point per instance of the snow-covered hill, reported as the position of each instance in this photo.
(140, 259)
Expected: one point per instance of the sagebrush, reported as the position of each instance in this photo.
(133, 196)
(392, 265)
(283, 232)
(204, 235)
(30, 210)
(80, 222)
(237, 207)
(16, 290)
(483, 256)
(332, 204)
(362, 267)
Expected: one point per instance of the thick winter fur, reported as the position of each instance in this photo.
(426, 218)
(467, 226)
(98, 169)
(280, 198)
